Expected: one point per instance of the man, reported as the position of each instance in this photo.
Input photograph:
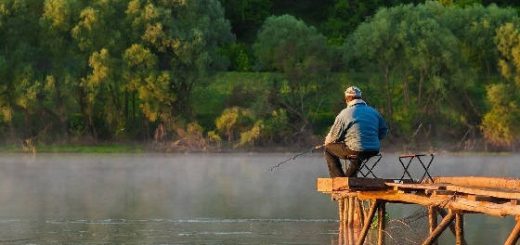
(357, 131)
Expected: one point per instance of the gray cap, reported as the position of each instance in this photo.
(353, 91)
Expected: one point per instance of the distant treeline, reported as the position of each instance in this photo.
(202, 73)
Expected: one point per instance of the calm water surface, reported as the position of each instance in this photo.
(200, 199)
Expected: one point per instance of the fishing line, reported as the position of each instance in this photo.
(294, 157)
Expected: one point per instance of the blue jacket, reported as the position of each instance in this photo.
(360, 126)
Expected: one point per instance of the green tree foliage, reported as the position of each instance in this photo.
(246, 16)
(500, 123)
(287, 45)
(344, 16)
(115, 69)
(430, 65)
(104, 67)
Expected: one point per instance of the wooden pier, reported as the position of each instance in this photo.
(446, 197)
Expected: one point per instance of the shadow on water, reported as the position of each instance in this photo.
(194, 198)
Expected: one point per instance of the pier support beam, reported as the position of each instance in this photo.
(368, 222)
(453, 229)
(432, 219)
(359, 214)
(513, 237)
(438, 231)
(381, 223)
(459, 229)
(350, 214)
(341, 204)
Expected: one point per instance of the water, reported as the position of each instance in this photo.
(197, 198)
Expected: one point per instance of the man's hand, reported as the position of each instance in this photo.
(328, 140)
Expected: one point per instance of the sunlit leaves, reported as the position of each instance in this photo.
(233, 121)
(139, 58)
(500, 124)
(99, 62)
(83, 30)
(57, 12)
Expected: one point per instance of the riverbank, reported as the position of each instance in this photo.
(74, 148)
(152, 147)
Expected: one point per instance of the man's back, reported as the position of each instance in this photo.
(364, 127)
(357, 130)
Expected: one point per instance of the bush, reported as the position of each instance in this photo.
(233, 121)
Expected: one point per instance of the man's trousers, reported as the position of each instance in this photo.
(336, 151)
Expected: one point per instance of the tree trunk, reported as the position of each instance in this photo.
(419, 92)
(388, 92)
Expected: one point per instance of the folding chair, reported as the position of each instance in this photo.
(366, 167)
(425, 166)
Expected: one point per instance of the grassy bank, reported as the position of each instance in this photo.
(71, 148)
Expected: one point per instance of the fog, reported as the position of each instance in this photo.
(196, 198)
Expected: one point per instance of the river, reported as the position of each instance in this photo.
(201, 198)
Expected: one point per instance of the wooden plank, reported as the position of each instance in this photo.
(349, 183)
(482, 198)
(504, 194)
(324, 184)
(458, 203)
(476, 181)
(430, 187)
(441, 193)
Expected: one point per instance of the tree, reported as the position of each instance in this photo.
(287, 45)
(430, 64)
(246, 16)
(499, 124)
(88, 64)
(185, 36)
(344, 16)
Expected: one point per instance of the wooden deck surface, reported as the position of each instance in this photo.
(489, 195)
(450, 197)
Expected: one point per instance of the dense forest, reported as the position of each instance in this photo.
(206, 74)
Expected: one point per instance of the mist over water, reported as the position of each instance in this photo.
(197, 198)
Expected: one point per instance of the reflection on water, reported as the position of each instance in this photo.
(157, 231)
(195, 198)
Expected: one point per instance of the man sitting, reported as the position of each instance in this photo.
(357, 131)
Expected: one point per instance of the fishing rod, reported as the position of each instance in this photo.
(294, 157)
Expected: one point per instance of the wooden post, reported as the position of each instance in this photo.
(513, 236)
(438, 231)
(341, 233)
(453, 230)
(432, 219)
(368, 222)
(341, 203)
(351, 237)
(459, 229)
(350, 214)
(381, 223)
(360, 213)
